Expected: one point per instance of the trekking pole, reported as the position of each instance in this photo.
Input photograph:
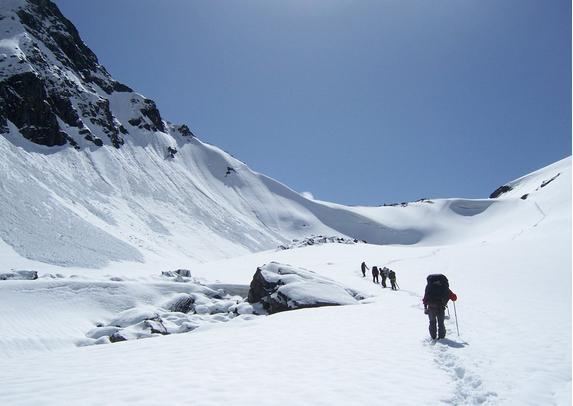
(456, 314)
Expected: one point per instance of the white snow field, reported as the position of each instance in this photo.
(113, 219)
(508, 260)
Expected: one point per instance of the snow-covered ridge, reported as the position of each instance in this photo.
(534, 182)
(136, 189)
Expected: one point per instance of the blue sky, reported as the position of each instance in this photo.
(357, 102)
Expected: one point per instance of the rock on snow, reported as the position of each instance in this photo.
(279, 287)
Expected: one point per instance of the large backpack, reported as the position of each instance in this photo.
(437, 289)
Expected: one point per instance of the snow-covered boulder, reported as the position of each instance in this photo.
(99, 332)
(279, 287)
(133, 316)
(176, 313)
(19, 275)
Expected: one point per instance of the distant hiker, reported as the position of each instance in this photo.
(435, 300)
(384, 274)
(375, 274)
(392, 277)
(364, 268)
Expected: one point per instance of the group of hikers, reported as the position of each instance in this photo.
(385, 273)
(436, 297)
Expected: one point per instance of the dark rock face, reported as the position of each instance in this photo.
(150, 111)
(279, 288)
(60, 36)
(184, 131)
(171, 152)
(121, 88)
(260, 288)
(99, 114)
(136, 122)
(24, 101)
(63, 108)
(54, 76)
(499, 191)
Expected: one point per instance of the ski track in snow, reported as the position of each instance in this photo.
(543, 217)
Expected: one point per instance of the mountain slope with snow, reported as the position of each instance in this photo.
(92, 175)
(513, 313)
(114, 183)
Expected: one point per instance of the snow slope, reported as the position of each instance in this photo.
(113, 196)
(91, 174)
(514, 314)
(94, 209)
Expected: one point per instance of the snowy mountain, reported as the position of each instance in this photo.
(92, 175)
(91, 165)
(130, 227)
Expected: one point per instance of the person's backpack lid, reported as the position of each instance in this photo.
(437, 277)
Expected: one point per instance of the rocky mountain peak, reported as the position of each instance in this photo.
(54, 91)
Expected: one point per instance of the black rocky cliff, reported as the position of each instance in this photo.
(54, 91)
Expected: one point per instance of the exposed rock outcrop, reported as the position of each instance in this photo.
(24, 101)
(279, 287)
(19, 275)
(55, 91)
(319, 240)
(499, 191)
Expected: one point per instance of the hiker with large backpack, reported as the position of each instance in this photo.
(384, 274)
(375, 274)
(435, 300)
(364, 268)
(392, 277)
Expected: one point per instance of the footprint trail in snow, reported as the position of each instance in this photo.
(469, 388)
